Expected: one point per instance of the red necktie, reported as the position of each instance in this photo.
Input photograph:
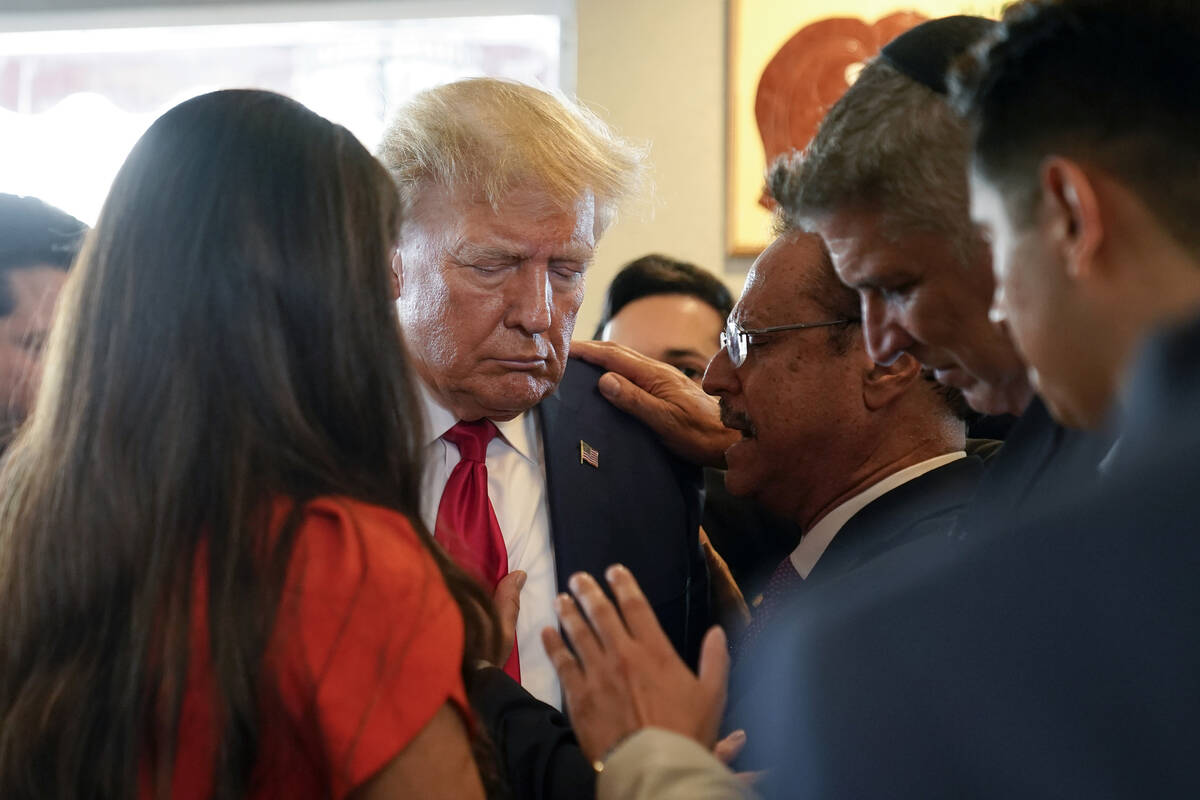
(466, 522)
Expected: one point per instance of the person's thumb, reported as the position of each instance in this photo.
(634, 400)
(727, 749)
(507, 597)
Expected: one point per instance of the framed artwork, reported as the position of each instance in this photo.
(789, 61)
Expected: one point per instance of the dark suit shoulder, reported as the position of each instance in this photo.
(1165, 388)
(1039, 458)
(579, 381)
(629, 501)
(928, 505)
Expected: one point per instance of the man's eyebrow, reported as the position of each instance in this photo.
(574, 252)
(683, 353)
(470, 253)
(508, 253)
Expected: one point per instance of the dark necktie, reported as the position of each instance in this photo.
(783, 584)
(466, 522)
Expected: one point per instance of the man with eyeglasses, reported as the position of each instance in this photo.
(863, 457)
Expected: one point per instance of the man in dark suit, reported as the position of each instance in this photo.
(826, 436)
(530, 475)
(862, 457)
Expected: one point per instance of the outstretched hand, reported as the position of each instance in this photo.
(625, 674)
(687, 419)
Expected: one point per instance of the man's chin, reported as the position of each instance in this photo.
(993, 399)
(739, 477)
(513, 394)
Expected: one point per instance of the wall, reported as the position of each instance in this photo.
(656, 71)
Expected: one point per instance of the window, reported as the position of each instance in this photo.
(74, 101)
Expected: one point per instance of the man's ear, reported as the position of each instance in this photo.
(1070, 215)
(397, 274)
(882, 385)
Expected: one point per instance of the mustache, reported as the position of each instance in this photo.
(737, 420)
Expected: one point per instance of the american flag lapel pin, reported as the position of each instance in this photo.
(589, 454)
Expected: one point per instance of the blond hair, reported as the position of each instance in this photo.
(490, 136)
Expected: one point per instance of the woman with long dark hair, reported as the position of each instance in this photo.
(214, 581)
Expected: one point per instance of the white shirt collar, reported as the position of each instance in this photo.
(818, 537)
(520, 432)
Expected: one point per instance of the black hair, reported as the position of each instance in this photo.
(659, 274)
(1108, 82)
(34, 233)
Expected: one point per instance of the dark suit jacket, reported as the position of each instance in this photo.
(926, 507)
(751, 539)
(1029, 470)
(640, 507)
(1058, 658)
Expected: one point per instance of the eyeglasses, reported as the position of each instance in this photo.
(737, 340)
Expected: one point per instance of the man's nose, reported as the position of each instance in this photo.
(720, 377)
(998, 313)
(886, 337)
(530, 299)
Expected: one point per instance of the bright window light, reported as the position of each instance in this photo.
(73, 102)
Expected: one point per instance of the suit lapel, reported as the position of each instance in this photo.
(898, 515)
(576, 493)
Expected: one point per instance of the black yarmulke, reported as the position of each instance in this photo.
(926, 52)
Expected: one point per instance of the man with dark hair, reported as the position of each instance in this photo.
(667, 309)
(1092, 216)
(37, 244)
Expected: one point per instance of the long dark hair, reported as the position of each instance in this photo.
(226, 340)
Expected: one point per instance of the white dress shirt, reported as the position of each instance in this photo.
(818, 537)
(517, 489)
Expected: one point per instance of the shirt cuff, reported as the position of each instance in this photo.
(660, 764)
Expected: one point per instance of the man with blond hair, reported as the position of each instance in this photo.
(531, 476)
